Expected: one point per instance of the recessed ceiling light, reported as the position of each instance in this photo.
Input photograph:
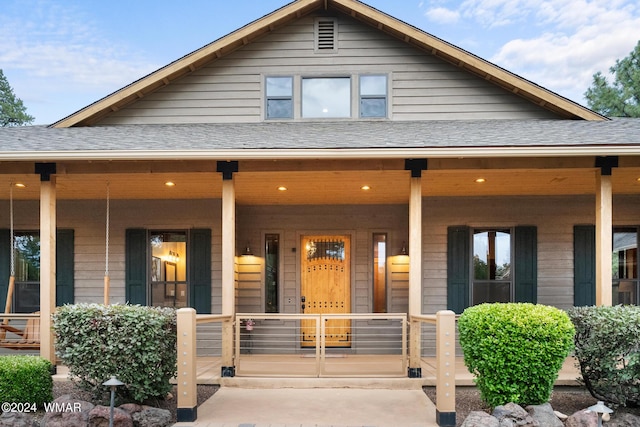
(480, 180)
(170, 184)
(365, 188)
(19, 185)
(282, 188)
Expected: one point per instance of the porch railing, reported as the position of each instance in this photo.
(270, 336)
(321, 345)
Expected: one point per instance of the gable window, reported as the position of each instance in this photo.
(373, 96)
(279, 91)
(326, 97)
(625, 266)
(491, 266)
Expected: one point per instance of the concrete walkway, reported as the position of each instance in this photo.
(288, 407)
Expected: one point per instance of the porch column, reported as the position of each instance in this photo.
(47, 257)
(228, 263)
(416, 166)
(604, 243)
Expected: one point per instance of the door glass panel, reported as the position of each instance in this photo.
(625, 266)
(168, 269)
(491, 266)
(26, 247)
(272, 262)
(379, 273)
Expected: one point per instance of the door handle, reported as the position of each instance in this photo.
(303, 300)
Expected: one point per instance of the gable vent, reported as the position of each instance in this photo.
(326, 35)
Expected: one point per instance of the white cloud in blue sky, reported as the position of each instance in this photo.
(61, 55)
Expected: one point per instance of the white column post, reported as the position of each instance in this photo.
(228, 272)
(415, 274)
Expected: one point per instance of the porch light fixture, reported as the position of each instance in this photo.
(21, 185)
(247, 251)
(403, 250)
(170, 184)
(480, 180)
(113, 383)
(365, 188)
(282, 188)
(600, 408)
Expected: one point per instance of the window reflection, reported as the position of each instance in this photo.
(326, 97)
(491, 266)
(625, 266)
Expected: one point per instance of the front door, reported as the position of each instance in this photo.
(326, 287)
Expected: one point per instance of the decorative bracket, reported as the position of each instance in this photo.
(45, 170)
(416, 166)
(227, 169)
(606, 164)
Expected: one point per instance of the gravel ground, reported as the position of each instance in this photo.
(67, 387)
(567, 400)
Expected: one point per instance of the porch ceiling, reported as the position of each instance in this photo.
(324, 187)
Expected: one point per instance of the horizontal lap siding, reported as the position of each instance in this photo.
(230, 89)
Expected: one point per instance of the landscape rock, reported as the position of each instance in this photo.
(152, 417)
(131, 408)
(505, 414)
(624, 420)
(17, 419)
(68, 418)
(544, 415)
(561, 416)
(99, 417)
(480, 419)
(582, 418)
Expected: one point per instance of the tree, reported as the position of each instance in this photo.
(12, 111)
(622, 98)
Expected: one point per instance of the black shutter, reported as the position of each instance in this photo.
(136, 266)
(584, 265)
(200, 270)
(64, 267)
(5, 265)
(458, 260)
(526, 264)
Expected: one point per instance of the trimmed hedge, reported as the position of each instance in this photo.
(607, 343)
(515, 350)
(136, 344)
(25, 379)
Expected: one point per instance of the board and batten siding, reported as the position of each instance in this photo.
(230, 89)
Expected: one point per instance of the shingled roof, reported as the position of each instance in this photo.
(384, 139)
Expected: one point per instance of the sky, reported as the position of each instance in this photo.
(62, 55)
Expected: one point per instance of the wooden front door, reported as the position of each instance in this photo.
(326, 287)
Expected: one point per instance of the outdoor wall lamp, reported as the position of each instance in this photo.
(600, 408)
(113, 383)
(247, 251)
(403, 250)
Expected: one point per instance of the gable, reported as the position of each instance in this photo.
(428, 46)
(421, 87)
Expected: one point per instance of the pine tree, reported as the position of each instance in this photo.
(622, 98)
(12, 110)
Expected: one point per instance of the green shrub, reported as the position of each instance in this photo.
(136, 344)
(607, 346)
(515, 350)
(25, 379)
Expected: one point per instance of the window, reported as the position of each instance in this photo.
(625, 266)
(279, 92)
(26, 249)
(379, 272)
(168, 269)
(271, 266)
(326, 97)
(373, 96)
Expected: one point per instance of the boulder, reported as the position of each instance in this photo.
(152, 417)
(480, 419)
(17, 419)
(624, 420)
(99, 417)
(582, 418)
(63, 413)
(544, 415)
(513, 412)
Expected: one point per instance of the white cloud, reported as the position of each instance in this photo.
(56, 52)
(442, 15)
